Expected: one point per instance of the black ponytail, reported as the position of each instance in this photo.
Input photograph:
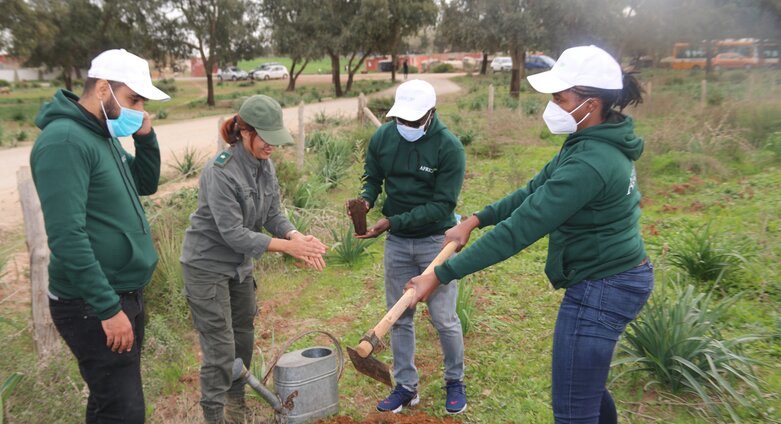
(631, 94)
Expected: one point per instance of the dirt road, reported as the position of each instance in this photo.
(174, 138)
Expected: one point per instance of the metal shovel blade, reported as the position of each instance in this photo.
(370, 366)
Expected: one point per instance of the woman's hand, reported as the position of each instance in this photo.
(461, 232)
(380, 227)
(299, 246)
(424, 285)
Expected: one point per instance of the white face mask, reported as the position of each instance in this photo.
(559, 121)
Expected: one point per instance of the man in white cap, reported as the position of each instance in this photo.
(421, 165)
(102, 254)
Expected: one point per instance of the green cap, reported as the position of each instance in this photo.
(265, 115)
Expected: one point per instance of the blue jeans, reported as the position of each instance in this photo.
(592, 316)
(406, 258)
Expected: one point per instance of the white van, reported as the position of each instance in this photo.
(502, 63)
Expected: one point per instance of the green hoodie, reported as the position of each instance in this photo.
(422, 179)
(89, 185)
(586, 198)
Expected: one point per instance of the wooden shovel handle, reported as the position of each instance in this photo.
(382, 327)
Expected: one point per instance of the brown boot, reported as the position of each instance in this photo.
(235, 410)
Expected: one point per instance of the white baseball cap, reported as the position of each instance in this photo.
(413, 99)
(587, 66)
(125, 67)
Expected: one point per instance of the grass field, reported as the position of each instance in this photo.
(715, 164)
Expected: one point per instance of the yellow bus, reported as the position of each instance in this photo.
(744, 53)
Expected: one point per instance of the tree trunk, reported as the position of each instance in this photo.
(484, 64)
(393, 66)
(291, 85)
(351, 70)
(518, 56)
(66, 78)
(209, 88)
(335, 77)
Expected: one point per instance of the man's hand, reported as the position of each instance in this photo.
(146, 126)
(424, 285)
(461, 232)
(119, 333)
(380, 227)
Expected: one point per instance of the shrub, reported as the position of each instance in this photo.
(531, 106)
(347, 249)
(465, 304)
(18, 116)
(9, 385)
(4, 83)
(190, 163)
(162, 114)
(677, 339)
(467, 136)
(715, 97)
(334, 160)
(308, 195)
(288, 174)
(443, 68)
(21, 135)
(704, 256)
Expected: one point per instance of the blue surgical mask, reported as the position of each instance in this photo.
(128, 121)
(409, 133)
(412, 134)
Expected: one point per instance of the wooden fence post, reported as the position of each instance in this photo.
(44, 333)
(370, 115)
(490, 99)
(301, 145)
(220, 141)
(703, 93)
(361, 105)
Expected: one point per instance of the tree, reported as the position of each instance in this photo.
(66, 35)
(294, 26)
(405, 18)
(221, 31)
(464, 26)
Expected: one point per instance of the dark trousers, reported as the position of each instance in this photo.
(114, 379)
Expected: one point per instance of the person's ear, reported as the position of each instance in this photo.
(102, 89)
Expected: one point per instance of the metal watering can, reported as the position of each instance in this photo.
(306, 381)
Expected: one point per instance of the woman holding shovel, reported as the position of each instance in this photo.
(239, 195)
(586, 198)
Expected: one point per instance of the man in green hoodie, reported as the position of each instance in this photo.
(421, 165)
(102, 254)
(587, 199)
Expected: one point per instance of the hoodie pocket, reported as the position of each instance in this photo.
(126, 258)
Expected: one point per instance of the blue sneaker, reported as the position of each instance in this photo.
(456, 397)
(398, 398)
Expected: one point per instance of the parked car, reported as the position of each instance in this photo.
(231, 73)
(732, 60)
(502, 63)
(271, 72)
(263, 67)
(539, 61)
(533, 61)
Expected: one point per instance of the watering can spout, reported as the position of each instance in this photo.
(240, 373)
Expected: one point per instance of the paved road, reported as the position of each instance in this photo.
(174, 138)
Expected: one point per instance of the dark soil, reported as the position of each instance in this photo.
(358, 214)
(390, 418)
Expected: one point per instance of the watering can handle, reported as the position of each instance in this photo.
(295, 339)
(382, 327)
